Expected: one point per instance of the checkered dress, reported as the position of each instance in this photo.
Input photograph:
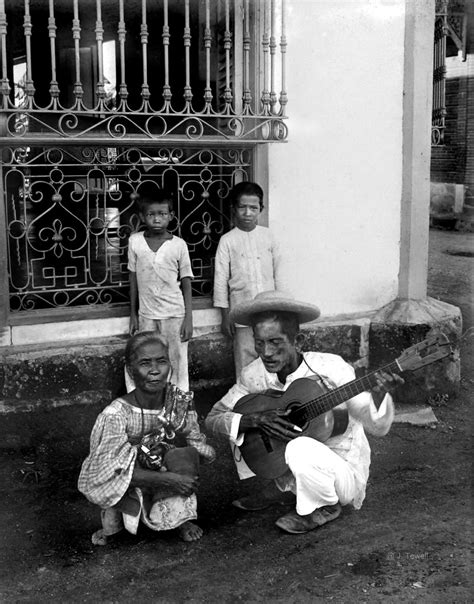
(107, 471)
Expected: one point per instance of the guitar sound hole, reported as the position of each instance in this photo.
(298, 418)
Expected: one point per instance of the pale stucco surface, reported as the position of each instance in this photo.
(335, 187)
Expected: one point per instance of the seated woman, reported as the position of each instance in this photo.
(136, 469)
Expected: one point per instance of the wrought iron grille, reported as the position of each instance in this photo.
(70, 212)
(451, 21)
(96, 97)
(439, 76)
(180, 70)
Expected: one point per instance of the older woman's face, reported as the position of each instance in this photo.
(150, 367)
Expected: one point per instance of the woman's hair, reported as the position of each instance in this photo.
(246, 188)
(139, 340)
(288, 321)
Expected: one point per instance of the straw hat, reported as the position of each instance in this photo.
(273, 301)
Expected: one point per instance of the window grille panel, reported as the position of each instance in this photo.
(450, 27)
(439, 75)
(180, 70)
(71, 210)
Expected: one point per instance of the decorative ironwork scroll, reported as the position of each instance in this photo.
(451, 21)
(70, 212)
(178, 71)
(439, 74)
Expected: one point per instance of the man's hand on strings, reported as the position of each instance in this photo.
(275, 423)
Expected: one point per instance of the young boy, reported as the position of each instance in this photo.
(247, 262)
(158, 262)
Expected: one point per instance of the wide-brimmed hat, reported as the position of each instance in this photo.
(273, 301)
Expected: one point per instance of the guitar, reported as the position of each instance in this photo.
(310, 407)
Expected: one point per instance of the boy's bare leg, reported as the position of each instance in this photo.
(244, 348)
(178, 351)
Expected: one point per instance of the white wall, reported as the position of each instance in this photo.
(335, 187)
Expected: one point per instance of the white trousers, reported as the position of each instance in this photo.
(178, 351)
(320, 476)
(244, 348)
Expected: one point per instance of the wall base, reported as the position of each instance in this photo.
(90, 372)
(402, 323)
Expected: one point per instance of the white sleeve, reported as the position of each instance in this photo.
(221, 276)
(132, 255)
(222, 419)
(185, 269)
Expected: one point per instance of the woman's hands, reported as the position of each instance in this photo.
(179, 483)
(169, 482)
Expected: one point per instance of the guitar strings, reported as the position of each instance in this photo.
(323, 379)
(318, 404)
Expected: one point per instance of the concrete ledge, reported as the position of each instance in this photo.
(402, 323)
(54, 375)
(91, 397)
(64, 371)
(85, 372)
(348, 337)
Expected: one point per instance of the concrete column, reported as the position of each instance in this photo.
(413, 317)
(417, 105)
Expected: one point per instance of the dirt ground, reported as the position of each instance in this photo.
(410, 541)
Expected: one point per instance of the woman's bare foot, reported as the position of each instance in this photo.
(99, 538)
(189, 531)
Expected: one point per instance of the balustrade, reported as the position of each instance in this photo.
(175, 70)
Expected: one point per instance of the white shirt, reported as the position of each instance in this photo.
(247, 263)
(158, 275)
(352, 446)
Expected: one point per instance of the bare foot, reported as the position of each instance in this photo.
(189, 531)
(99, 538)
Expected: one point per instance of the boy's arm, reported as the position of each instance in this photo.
(221, 276)
(221, 288)
(133, 326)
(187, 325)
(227, 326)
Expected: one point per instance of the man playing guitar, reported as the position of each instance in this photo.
(278, 438)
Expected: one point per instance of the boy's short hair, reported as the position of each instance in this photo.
(246, 188)
(149, 192)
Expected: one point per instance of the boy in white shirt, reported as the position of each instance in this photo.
(247, 262)
(160, 281)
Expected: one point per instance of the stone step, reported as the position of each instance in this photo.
(91, 372)
(87, 371)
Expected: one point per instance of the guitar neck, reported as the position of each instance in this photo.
(339, 395)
